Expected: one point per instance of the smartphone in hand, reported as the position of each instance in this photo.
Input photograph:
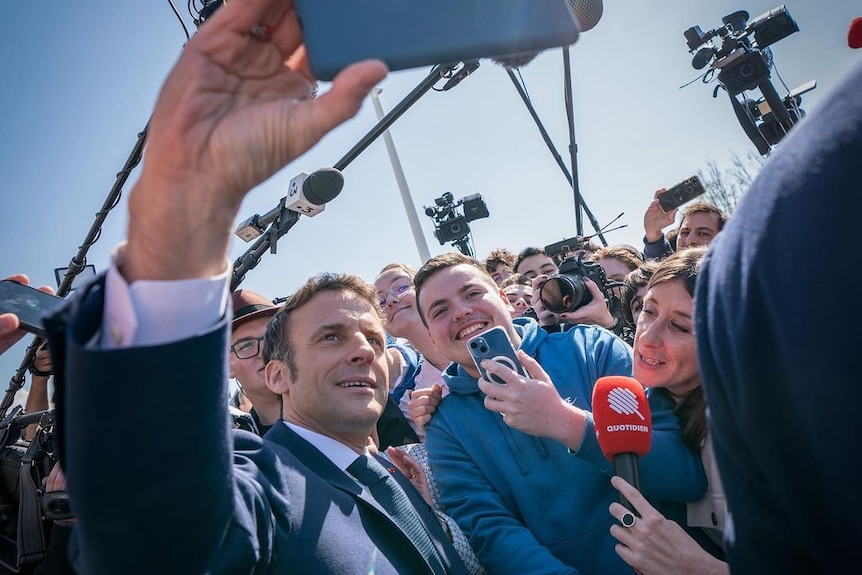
(494, 344)
(29, 304)
(681, 193)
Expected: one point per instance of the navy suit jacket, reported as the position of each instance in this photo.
(161, 484)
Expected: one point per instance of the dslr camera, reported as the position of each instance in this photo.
(566, 291)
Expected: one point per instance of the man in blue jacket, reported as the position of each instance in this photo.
(528, 504)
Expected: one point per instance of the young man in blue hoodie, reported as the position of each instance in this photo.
(531, 504)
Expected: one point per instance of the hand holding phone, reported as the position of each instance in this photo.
(681, 193)
(494, 344)
(28, 303)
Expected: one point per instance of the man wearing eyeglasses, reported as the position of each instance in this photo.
(251, 315)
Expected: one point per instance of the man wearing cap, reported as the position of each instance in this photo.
(251, 315)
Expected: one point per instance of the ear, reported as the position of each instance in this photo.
(506, 303)
(277, 376)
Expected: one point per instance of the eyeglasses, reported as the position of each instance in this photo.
(398, 288)
(246, 348)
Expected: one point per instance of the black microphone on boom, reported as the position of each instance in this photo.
(587, 12)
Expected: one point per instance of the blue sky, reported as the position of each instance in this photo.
(80, 80)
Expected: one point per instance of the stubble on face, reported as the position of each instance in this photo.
(342, 378)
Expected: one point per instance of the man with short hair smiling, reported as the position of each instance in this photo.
(701, 222)
(527, 503)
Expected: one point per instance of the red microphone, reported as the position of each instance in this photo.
(623, 425)
(854, 34)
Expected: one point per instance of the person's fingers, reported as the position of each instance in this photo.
(632, 495)
(397, 458)
(9, 322)
(240, 16)
(18, 278)
(534, 369)
(322, 114)
(502, 371)
(9, 332)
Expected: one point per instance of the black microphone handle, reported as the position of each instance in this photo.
(626, 466)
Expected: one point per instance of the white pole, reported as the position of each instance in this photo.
(409, 208)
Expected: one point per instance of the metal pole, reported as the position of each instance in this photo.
(406, 198)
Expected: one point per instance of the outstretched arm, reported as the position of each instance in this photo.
(230, 114)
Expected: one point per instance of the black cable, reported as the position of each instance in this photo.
(180, 18)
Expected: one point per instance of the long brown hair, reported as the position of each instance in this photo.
(691, 408)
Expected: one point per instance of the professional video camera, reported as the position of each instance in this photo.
(26, 512)
(739, 51)
(453, 227)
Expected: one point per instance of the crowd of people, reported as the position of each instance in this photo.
(364, 438)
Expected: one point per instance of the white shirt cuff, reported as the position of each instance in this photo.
(149, 312)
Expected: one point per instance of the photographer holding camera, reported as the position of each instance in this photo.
(575, 292)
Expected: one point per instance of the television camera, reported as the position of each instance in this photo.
(27, 513)
(452, 226)
(739, 51)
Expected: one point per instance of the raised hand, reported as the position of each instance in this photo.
(656, 219)
(235, 109)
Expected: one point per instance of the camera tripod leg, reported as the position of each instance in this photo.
(749, 127)
(776, 104)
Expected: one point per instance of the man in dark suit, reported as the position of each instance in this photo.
(165, 486)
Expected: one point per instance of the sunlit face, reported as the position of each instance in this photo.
(614, 269)
(501, 272)
(538, 264)
(395, 292)
(519, 297)
(342, 373)
(459, 302)
(697, 229)
(665, 354)
(249, 371)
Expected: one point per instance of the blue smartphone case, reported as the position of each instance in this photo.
(407, 34)
(494, 344)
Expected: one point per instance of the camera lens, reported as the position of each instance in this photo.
(564, 293)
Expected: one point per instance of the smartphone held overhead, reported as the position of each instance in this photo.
(414, 34)
(29, 304)
(685, 191)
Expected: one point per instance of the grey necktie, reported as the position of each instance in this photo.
(392, 498)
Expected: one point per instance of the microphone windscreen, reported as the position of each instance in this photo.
(854, 34)
(588, 13)
(323, 185)
(622, 416)
(516, 61)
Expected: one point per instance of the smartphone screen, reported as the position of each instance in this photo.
(494, 344)
(29, 304)
(681, 193)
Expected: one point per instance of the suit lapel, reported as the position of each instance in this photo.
(323, 467)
